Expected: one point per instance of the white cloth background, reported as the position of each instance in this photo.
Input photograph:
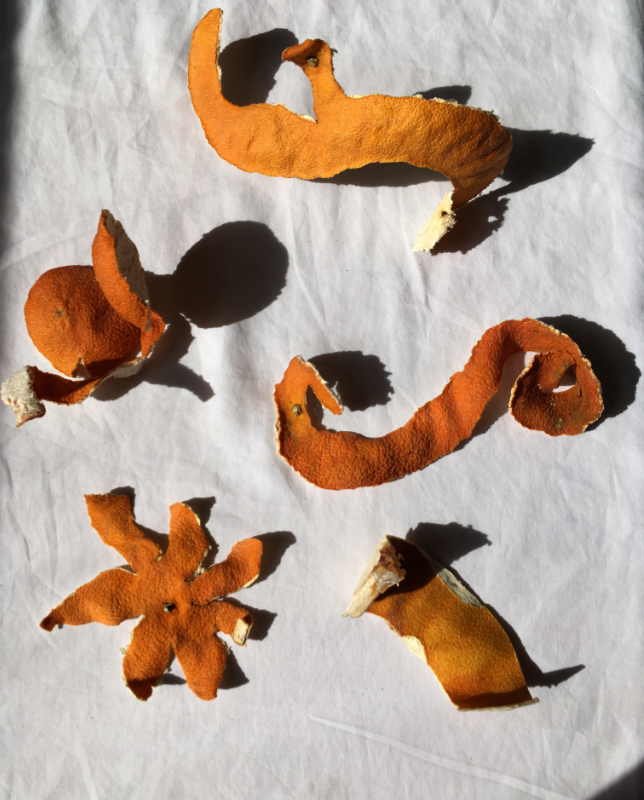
(250, 271)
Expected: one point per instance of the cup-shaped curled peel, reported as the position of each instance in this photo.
(444, 624)
(95, 321)
(467, 145)
(177, 599)
(344, 460)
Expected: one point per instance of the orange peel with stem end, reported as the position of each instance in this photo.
(345, 460)
(468, 145)
(444, 624)
(90, 320)
(178, 600)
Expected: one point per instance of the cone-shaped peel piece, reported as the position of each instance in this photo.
(86, 320)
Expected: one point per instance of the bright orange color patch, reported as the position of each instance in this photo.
(343, 460)
(177, 600)
(86, 320)
(467, 145)
(449, 629)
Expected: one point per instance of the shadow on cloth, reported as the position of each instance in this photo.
(629, 787)
(360, 381)
(536, 156)
(612, 363)
(232, 273)
(614, 366)
(248, 66)
(447, 543)
(9, 19)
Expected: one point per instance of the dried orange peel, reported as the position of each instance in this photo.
(89, 320)
(444, 624)
(178, 600)
(468, 145)
(344, 460)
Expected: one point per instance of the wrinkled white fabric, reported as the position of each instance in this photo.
(250, 271)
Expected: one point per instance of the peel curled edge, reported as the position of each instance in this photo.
(91, 321)
(445, 625)
(346, 460)
(467, 145)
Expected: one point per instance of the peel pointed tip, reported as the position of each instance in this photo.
(48, 623)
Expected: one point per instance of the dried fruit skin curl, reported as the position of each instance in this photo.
(449, 629)
(177, 599)
(467, 145)
(91, 320)
(343, 460)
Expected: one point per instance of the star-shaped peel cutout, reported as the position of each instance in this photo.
(177, 600)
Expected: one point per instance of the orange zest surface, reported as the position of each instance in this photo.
(345, 460)
(450, 630)
(467, 145)
(179, 602)
(86, 320)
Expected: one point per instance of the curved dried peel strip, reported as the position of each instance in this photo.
(467, 145)
(89, 321)
(119, 272)
(170, 592)
(26, 389)
(344, 460)
(449, 629)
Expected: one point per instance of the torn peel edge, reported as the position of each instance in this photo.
(382, 571)
(118, 270)
(18, 393)
(242, 629)
(25, 391)
(440, 222)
